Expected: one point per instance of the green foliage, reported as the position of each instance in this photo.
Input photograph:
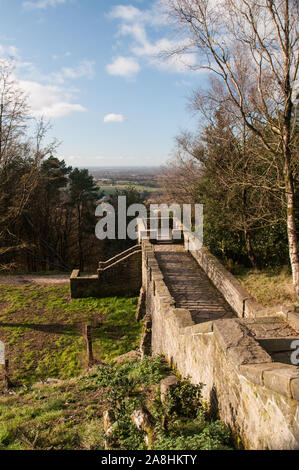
(183, 423)
(183, 399)
(54, 175)
(149, 371)
(198, 434)
(82, 186)
(123, 384)
(69, 415)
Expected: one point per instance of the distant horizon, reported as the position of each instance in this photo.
(128, 167)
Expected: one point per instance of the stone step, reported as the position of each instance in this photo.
(190, 286)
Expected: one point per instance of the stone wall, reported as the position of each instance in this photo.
(120, 276)
(244, 304)
(256, 397)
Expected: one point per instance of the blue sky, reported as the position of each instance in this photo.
(92, 68)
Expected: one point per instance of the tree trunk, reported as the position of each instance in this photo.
(292, 233)
(249, 249)
(289, 181)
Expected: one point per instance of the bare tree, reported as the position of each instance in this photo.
(21, 153)
(253, 48)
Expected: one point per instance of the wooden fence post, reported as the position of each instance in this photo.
(88, 340)
(6, 378)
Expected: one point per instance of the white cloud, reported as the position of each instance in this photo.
(48, 95)
(58, 56)
(114, 118)
(42, 4)
(158, 55)
(155, 15)
(124, 67)
(84, 69)
(156, 52)
(127, 13)
(135, 23)
(49, 101)
(137, 31)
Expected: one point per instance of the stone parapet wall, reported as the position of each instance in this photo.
(119, 256)
(232, 290)
(243, 303)
(256, 397)
(121, 277)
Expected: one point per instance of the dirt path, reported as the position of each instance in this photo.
(37, 279)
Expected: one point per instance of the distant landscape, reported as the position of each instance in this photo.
(110, 179)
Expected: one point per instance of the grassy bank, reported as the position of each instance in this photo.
(42, 330)
(270, 286)
(69, 414)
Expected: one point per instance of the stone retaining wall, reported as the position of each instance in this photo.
(256, 397)
(121, 277)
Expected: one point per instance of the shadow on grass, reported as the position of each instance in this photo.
(71, 330)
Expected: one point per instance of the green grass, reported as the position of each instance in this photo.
(69, 414)
(42, 330)
(270, 286)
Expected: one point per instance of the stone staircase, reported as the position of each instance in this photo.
(190, 286)
(192, 290)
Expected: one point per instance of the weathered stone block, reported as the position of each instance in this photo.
(252, 308)
(249, 353)
(202, 328)
(295, 389)
(277, 311)
(143, 421)
(182, 318)
(255, 372)
(141, 307)
(279, 380)
(157, 275)
(161, 289)
(167, 384)
(241, 348)
(146, 337)
(230, 332)
(109, 420)
(293, 320)
(75, 273)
